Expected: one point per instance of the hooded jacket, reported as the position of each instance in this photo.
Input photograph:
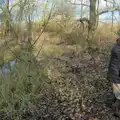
(114, 65)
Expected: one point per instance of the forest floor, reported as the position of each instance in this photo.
(78, 88)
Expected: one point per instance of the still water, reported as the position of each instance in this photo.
(5, 69)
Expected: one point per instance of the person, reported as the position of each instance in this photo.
(114, 73)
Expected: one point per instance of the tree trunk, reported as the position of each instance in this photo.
(6, 18)
(92, 21)
(112, 19)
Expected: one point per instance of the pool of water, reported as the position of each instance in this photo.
(5, 69)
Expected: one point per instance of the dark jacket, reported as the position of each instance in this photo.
(114, 65)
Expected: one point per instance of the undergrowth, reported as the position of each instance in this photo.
(20, 89)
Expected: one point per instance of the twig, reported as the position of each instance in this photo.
(42, 29)
(13, 52)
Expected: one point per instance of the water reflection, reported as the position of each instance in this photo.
(5, 68)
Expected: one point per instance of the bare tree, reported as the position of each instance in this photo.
(94, 14)
(92, 20)
(112, 17)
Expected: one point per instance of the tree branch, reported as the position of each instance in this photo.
(17, 4)
(45, 25)
(108, 1)
(79, 4)
(109, 10)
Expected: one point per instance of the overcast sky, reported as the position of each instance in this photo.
(102, 6)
